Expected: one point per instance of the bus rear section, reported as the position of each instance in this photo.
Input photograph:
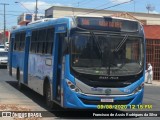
(105, 64)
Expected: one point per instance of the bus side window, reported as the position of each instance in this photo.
(41, 40)
(33, 41)
(17, 41)
(22, 41)
(49, 41)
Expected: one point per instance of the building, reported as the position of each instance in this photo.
(7, 36)
(151, 23)
(152, 33)
(60, 11)
(26, 18)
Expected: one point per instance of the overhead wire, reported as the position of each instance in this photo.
(85, 3)
(97, 10)
(104, 4)
(78, 2)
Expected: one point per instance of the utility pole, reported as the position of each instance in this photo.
(134, 6)
(36, 11)
(4, 30)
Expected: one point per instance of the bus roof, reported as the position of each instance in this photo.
(120, 18)
(43, 23)
(53, 21)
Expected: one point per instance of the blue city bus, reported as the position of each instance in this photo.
(80, 61)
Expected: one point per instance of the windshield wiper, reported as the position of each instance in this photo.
(101, 53)
(97, 42)
(121, 43)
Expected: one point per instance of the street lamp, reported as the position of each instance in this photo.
(36, 11)
(23, 6)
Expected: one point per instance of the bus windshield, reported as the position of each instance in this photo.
(106, 54)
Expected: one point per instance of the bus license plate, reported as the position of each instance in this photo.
(107, 100)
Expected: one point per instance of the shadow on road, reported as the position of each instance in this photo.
(37, 98)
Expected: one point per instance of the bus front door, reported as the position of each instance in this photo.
(58, 66)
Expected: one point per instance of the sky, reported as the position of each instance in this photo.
(13, 10)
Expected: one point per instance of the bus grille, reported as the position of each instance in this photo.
(98, 102)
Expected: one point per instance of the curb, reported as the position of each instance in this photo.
(153, 84)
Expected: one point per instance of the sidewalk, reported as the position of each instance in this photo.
(154, 83)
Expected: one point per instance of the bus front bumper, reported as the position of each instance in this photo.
(80, 101)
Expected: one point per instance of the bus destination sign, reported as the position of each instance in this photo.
(102, 23)
(107, 23)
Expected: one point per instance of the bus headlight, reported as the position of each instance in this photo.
(72, 86)
(139, 88)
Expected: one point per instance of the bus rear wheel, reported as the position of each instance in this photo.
(19, 84)
(10, 70)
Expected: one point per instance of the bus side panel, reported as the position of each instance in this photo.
(38, 70)
(10, 56)
(17, 63)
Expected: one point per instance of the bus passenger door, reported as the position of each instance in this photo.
(58, 64)
(26, 55)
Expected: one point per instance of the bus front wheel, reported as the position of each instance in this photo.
(48, 96)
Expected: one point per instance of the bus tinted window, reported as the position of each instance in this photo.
(49, 40)
(33, 41)
(16, 43)
(22, 41)
(42, 41)
(19, 41)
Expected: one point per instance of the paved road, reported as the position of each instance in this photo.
(10, 95)
(152, 96)
(13, 99)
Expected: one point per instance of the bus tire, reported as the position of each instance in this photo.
(19, 84)
(10, 70)
(47, 95)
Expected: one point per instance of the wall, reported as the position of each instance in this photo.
(152, 34)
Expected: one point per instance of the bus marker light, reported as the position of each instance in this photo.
(77, 90)
(139, 88)
(69, 83)
(73, 87)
